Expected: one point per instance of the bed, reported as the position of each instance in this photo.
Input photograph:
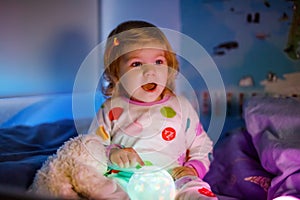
(33, 128)
(250, 160)
(260, 160)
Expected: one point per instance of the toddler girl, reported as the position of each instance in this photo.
(143, 122)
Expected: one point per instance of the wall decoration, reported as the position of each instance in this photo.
(246, 39)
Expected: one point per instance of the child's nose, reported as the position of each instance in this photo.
(149, 70)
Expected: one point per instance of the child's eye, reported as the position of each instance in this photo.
(136, 64)
(159, 62)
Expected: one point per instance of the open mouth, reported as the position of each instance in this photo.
(149, 87)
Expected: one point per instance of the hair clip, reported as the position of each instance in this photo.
(116, 41)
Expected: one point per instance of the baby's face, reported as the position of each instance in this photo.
(144, 74)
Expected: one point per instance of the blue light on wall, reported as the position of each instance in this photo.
(42, 44)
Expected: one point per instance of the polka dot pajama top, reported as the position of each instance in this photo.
(166, 133)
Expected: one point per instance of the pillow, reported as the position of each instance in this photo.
(36, 110)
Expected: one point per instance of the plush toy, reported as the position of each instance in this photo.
(76, 172)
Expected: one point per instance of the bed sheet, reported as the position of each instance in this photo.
(33, 128)
(23, 149)
(261, 161)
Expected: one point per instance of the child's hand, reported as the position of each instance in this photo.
(125, 158)
(179, 172)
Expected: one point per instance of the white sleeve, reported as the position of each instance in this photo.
(198, 143)
(101, 125)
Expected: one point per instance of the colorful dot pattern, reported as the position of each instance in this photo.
(168, 133)
(168, 112)
(206, 192)
(102, 133)
(199, 129)
(115, 113)
(135, 128)
(188, 124)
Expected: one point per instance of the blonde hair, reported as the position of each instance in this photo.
(129, 36)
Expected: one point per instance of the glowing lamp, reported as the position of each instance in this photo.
(286, 198)
(150, 182)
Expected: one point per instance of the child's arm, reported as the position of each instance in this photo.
(101, 125)
(179, 172)
(198, 144)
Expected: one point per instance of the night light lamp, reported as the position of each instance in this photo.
(286, 198)
(150, 182)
